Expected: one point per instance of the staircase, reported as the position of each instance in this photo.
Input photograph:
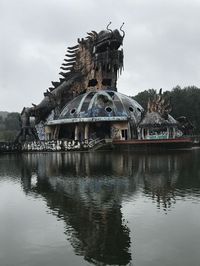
(99, 144)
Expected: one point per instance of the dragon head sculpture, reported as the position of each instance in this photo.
(97, 58)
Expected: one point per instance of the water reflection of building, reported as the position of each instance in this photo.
(160, 174)
(157, 123)
(87, 191)
(88, 198)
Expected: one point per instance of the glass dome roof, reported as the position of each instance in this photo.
(105, 104)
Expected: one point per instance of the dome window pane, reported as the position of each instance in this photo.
(73, 111)
(108, 109)
(131, 109)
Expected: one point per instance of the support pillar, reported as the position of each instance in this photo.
(76, 132)
(174, 132)
(129, 131)
(167, 132)
(147, 136)
(86, 131)
(56, 132)
(142, 133)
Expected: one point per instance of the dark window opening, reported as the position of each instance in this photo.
(108, 109)
(131, 109)
(111, 93)
(73, 111)
(92, 83)
(124, 134)
(139, 109)
(106, 82)
(66, 132)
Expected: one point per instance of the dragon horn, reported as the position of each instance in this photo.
(122, 30)
(108, 26)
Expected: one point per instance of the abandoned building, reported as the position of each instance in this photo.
(96, 114)
(157, 122)
(85, 108)
(154, 126)
(84, 104)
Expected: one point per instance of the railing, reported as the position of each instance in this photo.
(94, 142)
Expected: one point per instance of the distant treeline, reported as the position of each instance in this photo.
(184, 101)
(9, 126)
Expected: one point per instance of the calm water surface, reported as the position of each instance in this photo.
(100, 209)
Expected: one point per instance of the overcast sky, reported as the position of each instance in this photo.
(161, 46)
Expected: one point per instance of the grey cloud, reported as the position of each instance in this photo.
(161, 45)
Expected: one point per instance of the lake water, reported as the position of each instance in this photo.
(100, 209)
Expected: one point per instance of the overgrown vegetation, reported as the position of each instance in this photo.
(184, 101)
(9, 126)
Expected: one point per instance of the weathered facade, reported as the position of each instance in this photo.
(84, 104)
(103, 114)
(157, 123)
(84, 107)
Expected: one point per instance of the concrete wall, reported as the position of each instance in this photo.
(116, 129)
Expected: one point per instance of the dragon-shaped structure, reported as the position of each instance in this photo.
(157, 122)
(94, 62)
(159, 104)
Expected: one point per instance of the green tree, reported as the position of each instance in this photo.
(12, 121)
(185, 102)
(143, 97)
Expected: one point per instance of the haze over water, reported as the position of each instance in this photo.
(100, 209)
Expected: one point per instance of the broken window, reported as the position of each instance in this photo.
(92, 83)
(106, 82)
